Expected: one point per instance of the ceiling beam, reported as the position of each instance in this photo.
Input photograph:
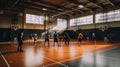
(111, 3)
(51, 12)
(56, 6)
(70, 11)
(14, 4)
(40, 6)
(116, 2)
(50, 4)
(35, 8)
(95, 3)
(78, 3)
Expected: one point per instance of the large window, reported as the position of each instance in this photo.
(73, 22)
(85, 20)
(81, 20)
(99, 18)
(34, 19)
(61, 22)
(108, 17)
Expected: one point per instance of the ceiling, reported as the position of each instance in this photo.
(61, 8)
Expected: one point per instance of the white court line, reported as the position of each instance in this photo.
(106, 49)
(110, 57)
(54, 63)
(4, 59)
(79, 57)
(49, 59)
(63, 61)
(60, 62)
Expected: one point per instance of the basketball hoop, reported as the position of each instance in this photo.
(14, 26)
(103, 27)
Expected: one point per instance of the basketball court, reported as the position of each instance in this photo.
(59, 33)
(88, 54)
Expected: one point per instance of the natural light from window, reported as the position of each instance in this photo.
(81, 20)
(34, 19)
(108, 17)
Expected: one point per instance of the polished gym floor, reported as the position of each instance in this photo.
(88, 54)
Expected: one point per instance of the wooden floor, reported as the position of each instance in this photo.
(39, 56)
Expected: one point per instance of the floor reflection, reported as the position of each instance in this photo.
(97, 59)
(34, 57)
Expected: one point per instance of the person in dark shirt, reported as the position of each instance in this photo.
(55, 36)
(20, 41)
(109, 36)
(60, 37)
(66, 39)
(46, 38)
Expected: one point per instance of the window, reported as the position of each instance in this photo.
(34, 19)
(101, 17)
(61, 22)
(108, 17)
(82, 20)
(73, 22)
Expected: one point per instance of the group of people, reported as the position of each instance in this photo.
(57, 38)
(33, 37)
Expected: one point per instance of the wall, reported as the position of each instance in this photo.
(5, 21)
(13, 17)
(113, 28)
(32, 26)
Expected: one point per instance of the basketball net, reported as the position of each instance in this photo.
(103, 28)
(14, 26)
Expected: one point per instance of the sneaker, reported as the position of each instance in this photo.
(21, 50)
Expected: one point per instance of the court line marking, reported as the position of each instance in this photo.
(63, 61)
(49, 59)
(72, 58)
(54, 62)
(76, 58)
(107, 49)
(110, 57)
(8, 65)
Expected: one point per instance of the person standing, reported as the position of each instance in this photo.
(55, 36)
(66, 39)
(93, 37)
(60, 37)
(109, 36)
(35, 38)
(30, 38)
(46, 38)
(20, 41)
(80, 37)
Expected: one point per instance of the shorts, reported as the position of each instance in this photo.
(79, 40)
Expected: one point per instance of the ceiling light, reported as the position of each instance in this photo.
(80, 6)
(44, 9)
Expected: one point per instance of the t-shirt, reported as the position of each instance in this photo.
(80, 36)
(55, 35)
